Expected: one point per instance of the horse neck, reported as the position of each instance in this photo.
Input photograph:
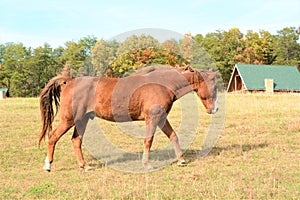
(186, 86)
(179, 85)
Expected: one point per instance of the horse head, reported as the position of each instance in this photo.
(204, 84)
(206, 90)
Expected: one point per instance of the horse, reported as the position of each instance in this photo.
(147, 96)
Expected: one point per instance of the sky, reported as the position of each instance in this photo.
(34, 22)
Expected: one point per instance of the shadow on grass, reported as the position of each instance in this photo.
(168, 155)
(132, 161)
(192, 154)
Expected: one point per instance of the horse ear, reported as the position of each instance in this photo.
(189, 68)
(213, 74)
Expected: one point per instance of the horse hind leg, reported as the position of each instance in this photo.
(55, 135)
(156, 116)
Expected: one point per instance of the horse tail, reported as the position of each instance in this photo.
(50, 93)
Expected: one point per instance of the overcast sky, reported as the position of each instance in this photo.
(34, 22)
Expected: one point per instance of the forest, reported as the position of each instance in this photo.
(25, 70)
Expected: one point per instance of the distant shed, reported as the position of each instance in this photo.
(3, 93)
(267, 78)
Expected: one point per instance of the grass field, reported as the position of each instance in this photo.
(256, 157)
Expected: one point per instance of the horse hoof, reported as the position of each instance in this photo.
(182, 163)
(46, 169)
(148, 167)
(88, 169)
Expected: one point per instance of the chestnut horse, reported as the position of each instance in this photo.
(147, 96)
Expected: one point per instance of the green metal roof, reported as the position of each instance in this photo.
(285, 77)
(3, 90)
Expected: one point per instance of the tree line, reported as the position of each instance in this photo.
(25, 70)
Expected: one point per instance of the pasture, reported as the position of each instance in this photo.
(256, 157)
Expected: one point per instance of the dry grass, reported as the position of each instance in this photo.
(256, 157)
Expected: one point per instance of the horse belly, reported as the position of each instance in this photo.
(119, 116)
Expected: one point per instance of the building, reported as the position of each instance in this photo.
(3, 93)
(266, 78)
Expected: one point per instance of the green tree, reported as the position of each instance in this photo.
(14, 72)
(57, 54)
(286, 47)
(222, 47)
(114, 58)
(74, 55)
(135, 42)
(201, 57)
(77, 53)
(87, 68)
(186, 47)
(103, 54)
(267, 50)
(127, 63)
(2, 73)
(44, 65)
(87, 43)
(171, 46)
(19, 84)
(256, 48)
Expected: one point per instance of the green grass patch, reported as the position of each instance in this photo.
(257, 156)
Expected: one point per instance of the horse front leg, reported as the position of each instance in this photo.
(150, 131)
(76, 140)
(79, 130)
(156, 116)
(168, 130)
(54, 136)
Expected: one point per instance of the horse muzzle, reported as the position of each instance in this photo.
(212, 110)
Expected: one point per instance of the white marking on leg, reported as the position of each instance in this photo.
(145, 158)
(216, 106)
(47, 165)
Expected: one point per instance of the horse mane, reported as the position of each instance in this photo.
(204, 74)
(144, 70)
(149, 69)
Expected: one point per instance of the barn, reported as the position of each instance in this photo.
(264, 78)
(3, 93)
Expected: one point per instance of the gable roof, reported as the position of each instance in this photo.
(253, 76)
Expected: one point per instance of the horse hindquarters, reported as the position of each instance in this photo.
(74, 104)
(66, 122)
